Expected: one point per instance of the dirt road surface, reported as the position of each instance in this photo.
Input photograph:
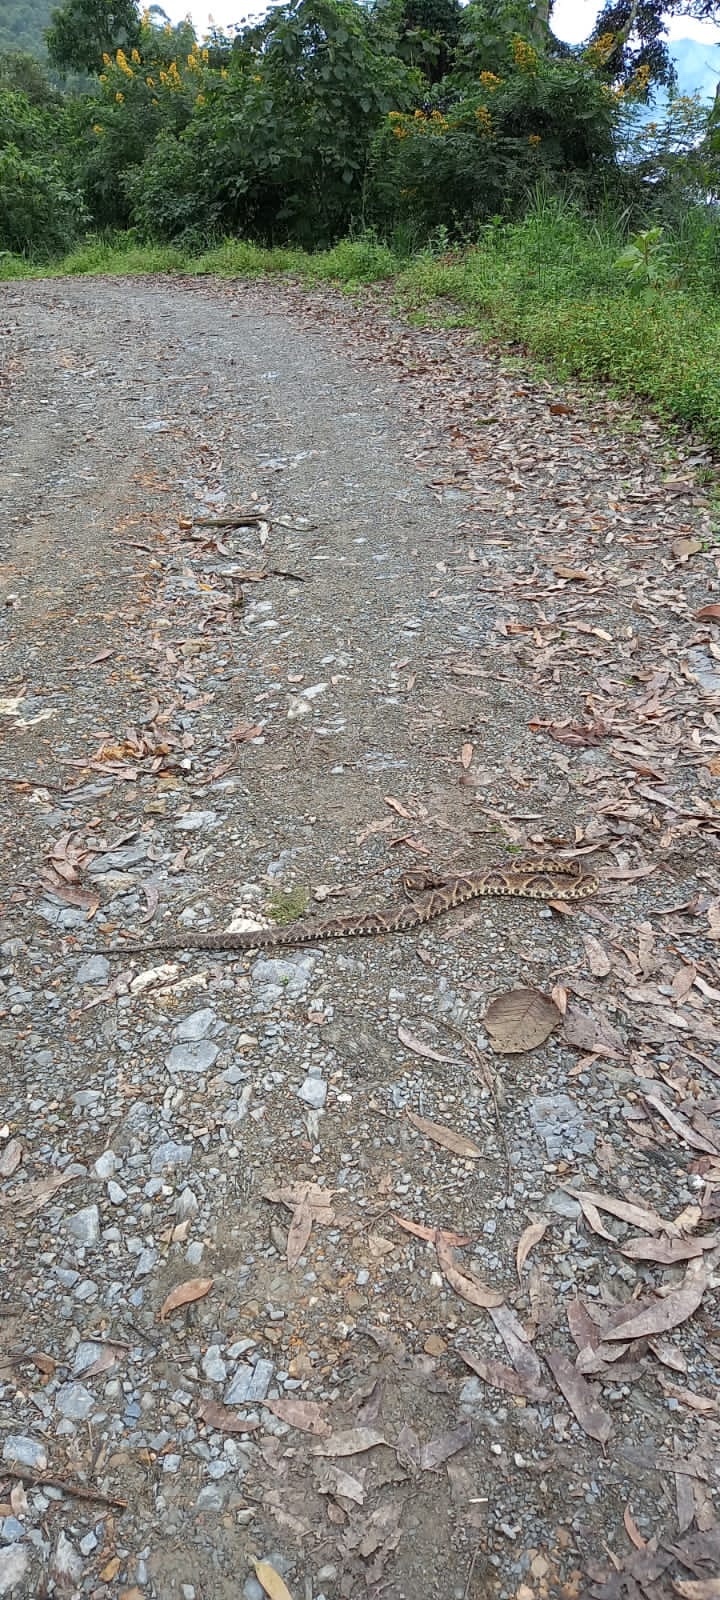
(311, 1276)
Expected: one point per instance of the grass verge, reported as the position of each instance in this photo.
(550, 283)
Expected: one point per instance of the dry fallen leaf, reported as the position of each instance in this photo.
(684, 547)
(637, 1216)
(520, 1020)
(420, 1231)
(598, 958)
(184, 1294)
(503, 1377)
(667, 1251)
(579, 1395)
(456, 1142)
(224, 1419)
(529, 1237)
(350, 1442)
(11, 1157)
(632, 1530)
(271, 1581)
(307, 1415)
(709, 613)
(419, 1047)
(466, 1284)
(648, 1317)
(466, 755)
(697, 1588)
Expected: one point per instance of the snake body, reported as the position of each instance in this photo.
(539, 880)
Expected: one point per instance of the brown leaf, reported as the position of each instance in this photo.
(680, 1126)
(520, 1020)
(503, 1377)
(591, 1034)
(271, 1581)
(592, 1215)
(350, 1442)
(598, 958)
(27, 1198)
(420, 1231)
(243, 731)
(632, 1530)
(456, 1142)
(518, 1346)
(419, 1047)
(224, 1419)
(645, 1318)
(184, 1294)
(529, 1237)
(397, 805)
(466, 1284)
(445, 1445)
(579, 1395)
(330, 1479)
(466, 755)
(637, 1216)
(683, 547)
(697, 1588)
(709, 613)
(299, 1232)
(667, 1251)
(307, 1415)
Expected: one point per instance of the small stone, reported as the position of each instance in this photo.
(196, 1025)
(14, 1562)
(105, 1165)
(186, 1205)
(313, 1093)
(252, 1590)
(85, 1225)
(21, 1451)
(197, 1055)
(170, 1154)
(116, 1195)
(249, 1383)
(192, 821)
(212, 1498)
(88, 1544)
(74, 1401)
(171, 1463)
(87, 1353)
(11, 1530)
(94, 971)
(145, 1262)
(213, 1365)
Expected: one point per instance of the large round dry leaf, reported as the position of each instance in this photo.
(520, 1020)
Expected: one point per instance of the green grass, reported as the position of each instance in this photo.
(549, 283)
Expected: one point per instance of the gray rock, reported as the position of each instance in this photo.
(196, 1025)
(88, 1544)
(14, 1562)
(249, 1383)
(86, 1354)
(25, 1452)
(561, 1124)
(705, 669)
(170, 1154)
(192, 821)
(95, 970)
(252, 1590)
(11, 1530)
(145, 1262)
(85, 1225)
(313, 1092)
(213, 1365)
(211, 1498)
(105, 1165)
(186, 1205)
(563, 1205)
(118, 860)
(197, 1055)
(74, 1401)
(116, 1195)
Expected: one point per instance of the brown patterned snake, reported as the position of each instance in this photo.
(537, 880)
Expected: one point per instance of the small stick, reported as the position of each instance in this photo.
(240, 519)
(79, 1490)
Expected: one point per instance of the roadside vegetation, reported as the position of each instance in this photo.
(491, 174)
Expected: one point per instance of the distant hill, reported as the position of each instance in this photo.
(22, 25)
(697, 66)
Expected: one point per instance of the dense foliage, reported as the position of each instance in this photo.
(329, 117)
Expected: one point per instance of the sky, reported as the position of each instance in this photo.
(572, 20)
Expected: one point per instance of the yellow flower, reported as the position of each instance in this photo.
(97, 128)
(205, 56)
(150, 83)
(122, 62)
(395, 116)
(490, 80)
(600, 50)
(135, 56)
(119, 98)
(484, 121)
(199, 99)
(399, 131)
(524, 55)
(107, 60)
(534, 139)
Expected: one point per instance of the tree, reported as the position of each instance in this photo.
(82, 31)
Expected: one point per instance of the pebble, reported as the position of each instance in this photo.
(562, 1125)
(74, 1401)
(196, 1025)
(249, 1383)
(67, 1562)
(196, 1055)
(170, 1154)
(192, 821)
(14, 1562)
(313, 1092)
(20, 1451)
(105, 1165)
(96, 970)
(85, 1225)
